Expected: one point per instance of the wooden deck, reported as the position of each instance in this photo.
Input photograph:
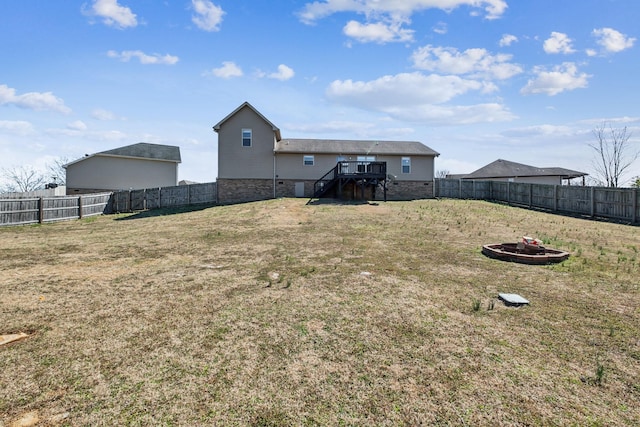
(358, 179)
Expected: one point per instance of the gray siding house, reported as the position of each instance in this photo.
(505, 170)
(256, 163)
(134, 167)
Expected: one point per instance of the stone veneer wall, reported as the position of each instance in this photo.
(248, 190)
(287, 187)
(407, 190)
(244, 190)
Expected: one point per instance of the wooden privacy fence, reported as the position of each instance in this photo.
(613, 203)
(38, 210)
(164, 197)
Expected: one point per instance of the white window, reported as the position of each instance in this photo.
(406, 165)
(308, 160)
(363, 163)
(246, 137)
(366, 159)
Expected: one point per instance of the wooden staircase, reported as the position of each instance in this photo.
(349, 179)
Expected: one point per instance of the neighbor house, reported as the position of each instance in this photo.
(505, 170)
(133, 167)
(256, 163)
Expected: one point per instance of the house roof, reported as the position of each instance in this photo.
(506, 169)
(141, 150)
(338, 146)
(147, 151)
(245, 104)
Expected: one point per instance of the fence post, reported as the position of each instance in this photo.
(555, 198)
(593, 201)
(40, 210)
(530, 196)
(635, 205)
(459, 189)
(79, 207)
(508, 192)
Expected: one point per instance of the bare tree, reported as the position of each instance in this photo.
(56, 170)
(613, 153)
(442, 173)
(22, 178)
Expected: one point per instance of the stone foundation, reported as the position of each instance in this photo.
(249, 190)
(244, 190)
(407, 190)
(287, 187)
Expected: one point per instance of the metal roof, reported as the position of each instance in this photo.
(507, 169)
(339, 146)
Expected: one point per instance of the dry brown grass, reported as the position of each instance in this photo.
(260, 314)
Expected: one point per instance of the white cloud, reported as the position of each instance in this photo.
(77, 125)
(126, 55)
(400, 9)
(108, 135)
(377, 32)
(100, 114)
(335, 126)
(208, 16)
(415, 97)
(611, 40)
(562, 78)
(283, 73)
(404, 89)
(37, 101)
(507, 40)
(440, 28)
(113, 14)
(228, 70)
(361, 130)
(558, 43)
(454, 115)
(17, 127)
(474, 62)
(538, 130)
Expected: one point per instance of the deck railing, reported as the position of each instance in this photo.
(349, 169)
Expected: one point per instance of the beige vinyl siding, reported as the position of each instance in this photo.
(290, 166)
(121, 173)
(421, 167)
(235, 160)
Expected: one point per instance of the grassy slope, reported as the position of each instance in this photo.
(260, 314)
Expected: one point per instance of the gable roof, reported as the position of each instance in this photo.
(245, 104)
(338, 146)
(147, 151)
(506, 169)
(141, 150)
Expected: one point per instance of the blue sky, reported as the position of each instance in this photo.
(475, 80)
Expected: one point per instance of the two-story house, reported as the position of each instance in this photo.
(256, 163)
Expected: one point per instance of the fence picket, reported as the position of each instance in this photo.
(41, 210)
(614, 203)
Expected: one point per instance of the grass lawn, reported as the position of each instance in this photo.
(281, 313)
